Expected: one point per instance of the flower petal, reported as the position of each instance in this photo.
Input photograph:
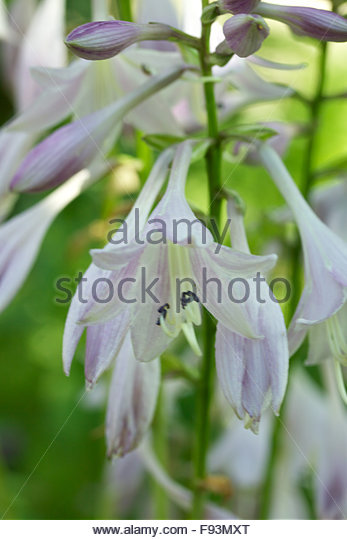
(75, 145)
(132, 401)
(51, 107)
(43, 46)
(245, 33)
(148, 339)
(103, 344)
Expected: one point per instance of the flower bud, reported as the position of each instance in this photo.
(104, 39)
(245, 33)
(240, 6)
(304, 21)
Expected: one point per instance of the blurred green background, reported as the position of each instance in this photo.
(52, 452)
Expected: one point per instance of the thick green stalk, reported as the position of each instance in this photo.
(205, 387)
(307, 178)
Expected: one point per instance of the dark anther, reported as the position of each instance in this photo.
(163, 311)
(188, 297)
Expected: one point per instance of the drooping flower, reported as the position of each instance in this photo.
(178, 266)
(21, 236)
(104, 339)
(35, 39)
(132, 399)
(75, 145)
(245, 33)
(249, 87)
(316, 438)
(325, 265)
(40, 44)
(253, 373)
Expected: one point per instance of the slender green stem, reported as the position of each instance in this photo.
(205, 387)
(161, 502)
(307, 178)
(202, 427)
(124, 10)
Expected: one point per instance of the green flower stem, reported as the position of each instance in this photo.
(124, 10)
(307, 178)
(161, 501)
(205, 387)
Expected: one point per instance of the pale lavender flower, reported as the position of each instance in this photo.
(30, 29)
(187, 256)
(41, 45)
(325, 264)
(21, 236)
(304, 21)
(245, 33)
(86, 87)
(105, 339)
(316, 441)
(13, 148)
(132, 399)
(253, 373)
(249, 87)
(75, 145)
(103, 39)
(329, 201)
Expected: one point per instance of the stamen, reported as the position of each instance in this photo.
(171, 333)
(188, 297)
(189, 332)
(188, 312)
(163, 312)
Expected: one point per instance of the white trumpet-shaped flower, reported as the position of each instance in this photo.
(104, 339)
(181, 261)
(325, 265)
(132, 399)
(21, 236)
(76, 145)
(253, 373)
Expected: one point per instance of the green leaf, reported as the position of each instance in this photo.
(253, 131)
(160, 141)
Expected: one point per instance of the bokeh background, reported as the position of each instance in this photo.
(52, 450)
